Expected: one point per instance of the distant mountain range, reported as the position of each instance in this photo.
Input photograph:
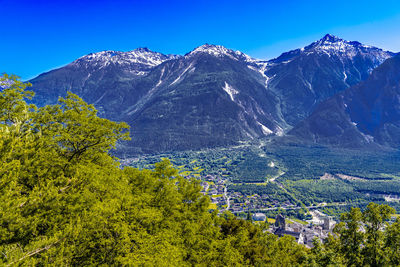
(214, 96)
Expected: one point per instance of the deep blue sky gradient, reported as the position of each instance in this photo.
(40, 35)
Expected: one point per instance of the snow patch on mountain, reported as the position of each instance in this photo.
(189, 69)
(331, 45)
(368, 138)
(221, 51)
(214, 50)
(230, 90)
(265, 129)
(279, 131)
(261, 67)
(308, 85)
(142, 56)
(161, 75)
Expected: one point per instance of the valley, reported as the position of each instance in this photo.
(314, 130)
(200, 133)
(290, 179)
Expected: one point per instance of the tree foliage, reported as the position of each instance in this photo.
(362, 239)
(65, 201)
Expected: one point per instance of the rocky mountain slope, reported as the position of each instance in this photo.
(212, 96)
(207, 98)
(363, 115)
(102, 78)
(304, 77)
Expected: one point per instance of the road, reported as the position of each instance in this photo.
(320, 205)
(276, 177)
(227, 198)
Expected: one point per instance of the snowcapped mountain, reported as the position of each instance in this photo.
(334, 46)
(212, 96)
(207, 98)
(103, 78)
(138, 61)
(304, 77)
(220, 51)
(365, 114)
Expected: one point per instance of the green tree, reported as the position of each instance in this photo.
(53, 161)
(361, 239)
(350, 237)
(392, 243)
(374, 218)
(64, 200)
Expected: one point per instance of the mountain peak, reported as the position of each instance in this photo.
(330, 38)
(330, 42)
(141, 55)
(333, 45)
(143, 49)
(220, 51)
(215, 50)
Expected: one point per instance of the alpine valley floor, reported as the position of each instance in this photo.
(291, 180)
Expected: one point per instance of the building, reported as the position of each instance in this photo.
(280, 222)
(298, 236)
(260, 217)
(327, 223)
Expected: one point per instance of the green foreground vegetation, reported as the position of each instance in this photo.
(64, 200)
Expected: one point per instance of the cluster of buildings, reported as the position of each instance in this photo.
(243, 203)
(216, 188)
(304, 234)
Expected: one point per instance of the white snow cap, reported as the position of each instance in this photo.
(138, 56)
(220, 51)
(331, 44)
(334, 46)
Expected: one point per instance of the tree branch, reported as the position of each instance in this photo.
(34, 252)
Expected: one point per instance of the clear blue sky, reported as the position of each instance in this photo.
(40, 35)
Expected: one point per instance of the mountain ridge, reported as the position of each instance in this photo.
(211, 96)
